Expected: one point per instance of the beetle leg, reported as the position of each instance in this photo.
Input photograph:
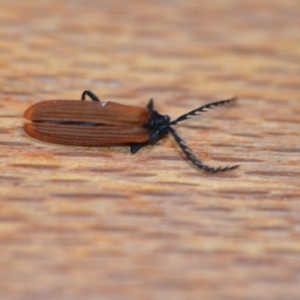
(150, 105)
(91, 95)
(135, 147)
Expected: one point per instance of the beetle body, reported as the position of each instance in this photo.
(87, 123)
(97, 123)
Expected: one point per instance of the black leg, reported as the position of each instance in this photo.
(91, 95)
(135, 147)
(193, 159)
(150, 105)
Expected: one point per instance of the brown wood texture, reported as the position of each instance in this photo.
(101, 223)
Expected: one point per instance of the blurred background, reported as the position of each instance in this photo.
(91, 223)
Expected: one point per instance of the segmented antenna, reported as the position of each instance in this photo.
(194, 160)
(197, 111)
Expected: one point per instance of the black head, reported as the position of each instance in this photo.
(158, 125)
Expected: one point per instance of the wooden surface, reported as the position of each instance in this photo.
(101, 223)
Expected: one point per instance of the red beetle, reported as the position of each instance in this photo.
(99, 123)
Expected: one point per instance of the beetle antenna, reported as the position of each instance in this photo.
(193, 159)
(201, 109)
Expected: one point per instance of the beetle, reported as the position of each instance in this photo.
(97, 123)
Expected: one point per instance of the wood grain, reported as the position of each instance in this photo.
(101, 223)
